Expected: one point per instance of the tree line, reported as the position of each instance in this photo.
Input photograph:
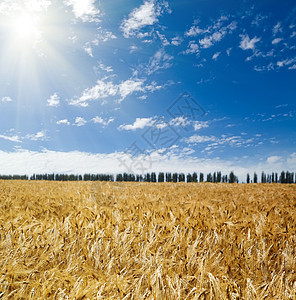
(216, 177)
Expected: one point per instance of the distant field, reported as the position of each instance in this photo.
(84, 240)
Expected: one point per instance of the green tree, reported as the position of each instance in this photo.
(201, 177)
(248, 178)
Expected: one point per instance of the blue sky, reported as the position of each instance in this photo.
(114, 86)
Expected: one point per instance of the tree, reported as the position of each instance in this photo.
(194, 177)
(255, 180)
(175, 177)
(248, 178)
(263, 177)
(161, 177)
(168, 177)
(282, 178)
(153, 177)
(232, 177)
(181, 177)
(219, 176)
(201, 177)
(189, 177)
(119, 177)
(209, 177)
(147, 177)
(215, 177)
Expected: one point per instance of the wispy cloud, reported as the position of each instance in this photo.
(79, 121)
(210, 35)
(216, 55)
(63, 122)
(214, 142)
(15, 138)
(197, 125)
(197, 139)
(105, 89)
(107, 69)
(100, 120)
(276, 41)
(179, 121)
(277, 28)
(54, 100)
(160, 60)
(176, 41)
(145, 15)
(5, 99)
(286, 62)
(39, 136)
(100, 91)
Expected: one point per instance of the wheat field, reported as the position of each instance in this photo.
(95, 240)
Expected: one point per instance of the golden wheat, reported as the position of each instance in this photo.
(84, 240)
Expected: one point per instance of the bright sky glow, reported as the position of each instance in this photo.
(85, 86)
(24, 27)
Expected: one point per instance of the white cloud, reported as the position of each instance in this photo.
(179, 121)
(197, 125)
(84, 10)
(79, 121)
(14, 138)
(145, 15)
(103, 90)
(64, 122)
(102, 36)
(276, 41)
(140, 123)
(6, 99)
(54, 100)
(100, 120)
(88, 49)
(214, 142)
(269, 67)
(197, 139)
(277, 28)
(193, 48)
(247, 43)
(160, 60)
(9, 6)
(216, 55)
(107, 69)
(40, 135)
(164, 40)
(274, 159)
(29, 162)
(133, 49)
(209, 41)
(195, 30)
(176, 41)
(129, 87)
(211, 35)
(286, 62)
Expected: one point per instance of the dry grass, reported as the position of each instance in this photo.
(147, 241)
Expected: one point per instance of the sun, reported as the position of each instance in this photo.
(24, 27)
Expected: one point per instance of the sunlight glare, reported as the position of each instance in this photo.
(25, 28)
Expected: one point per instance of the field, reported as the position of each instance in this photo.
(84, 240)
